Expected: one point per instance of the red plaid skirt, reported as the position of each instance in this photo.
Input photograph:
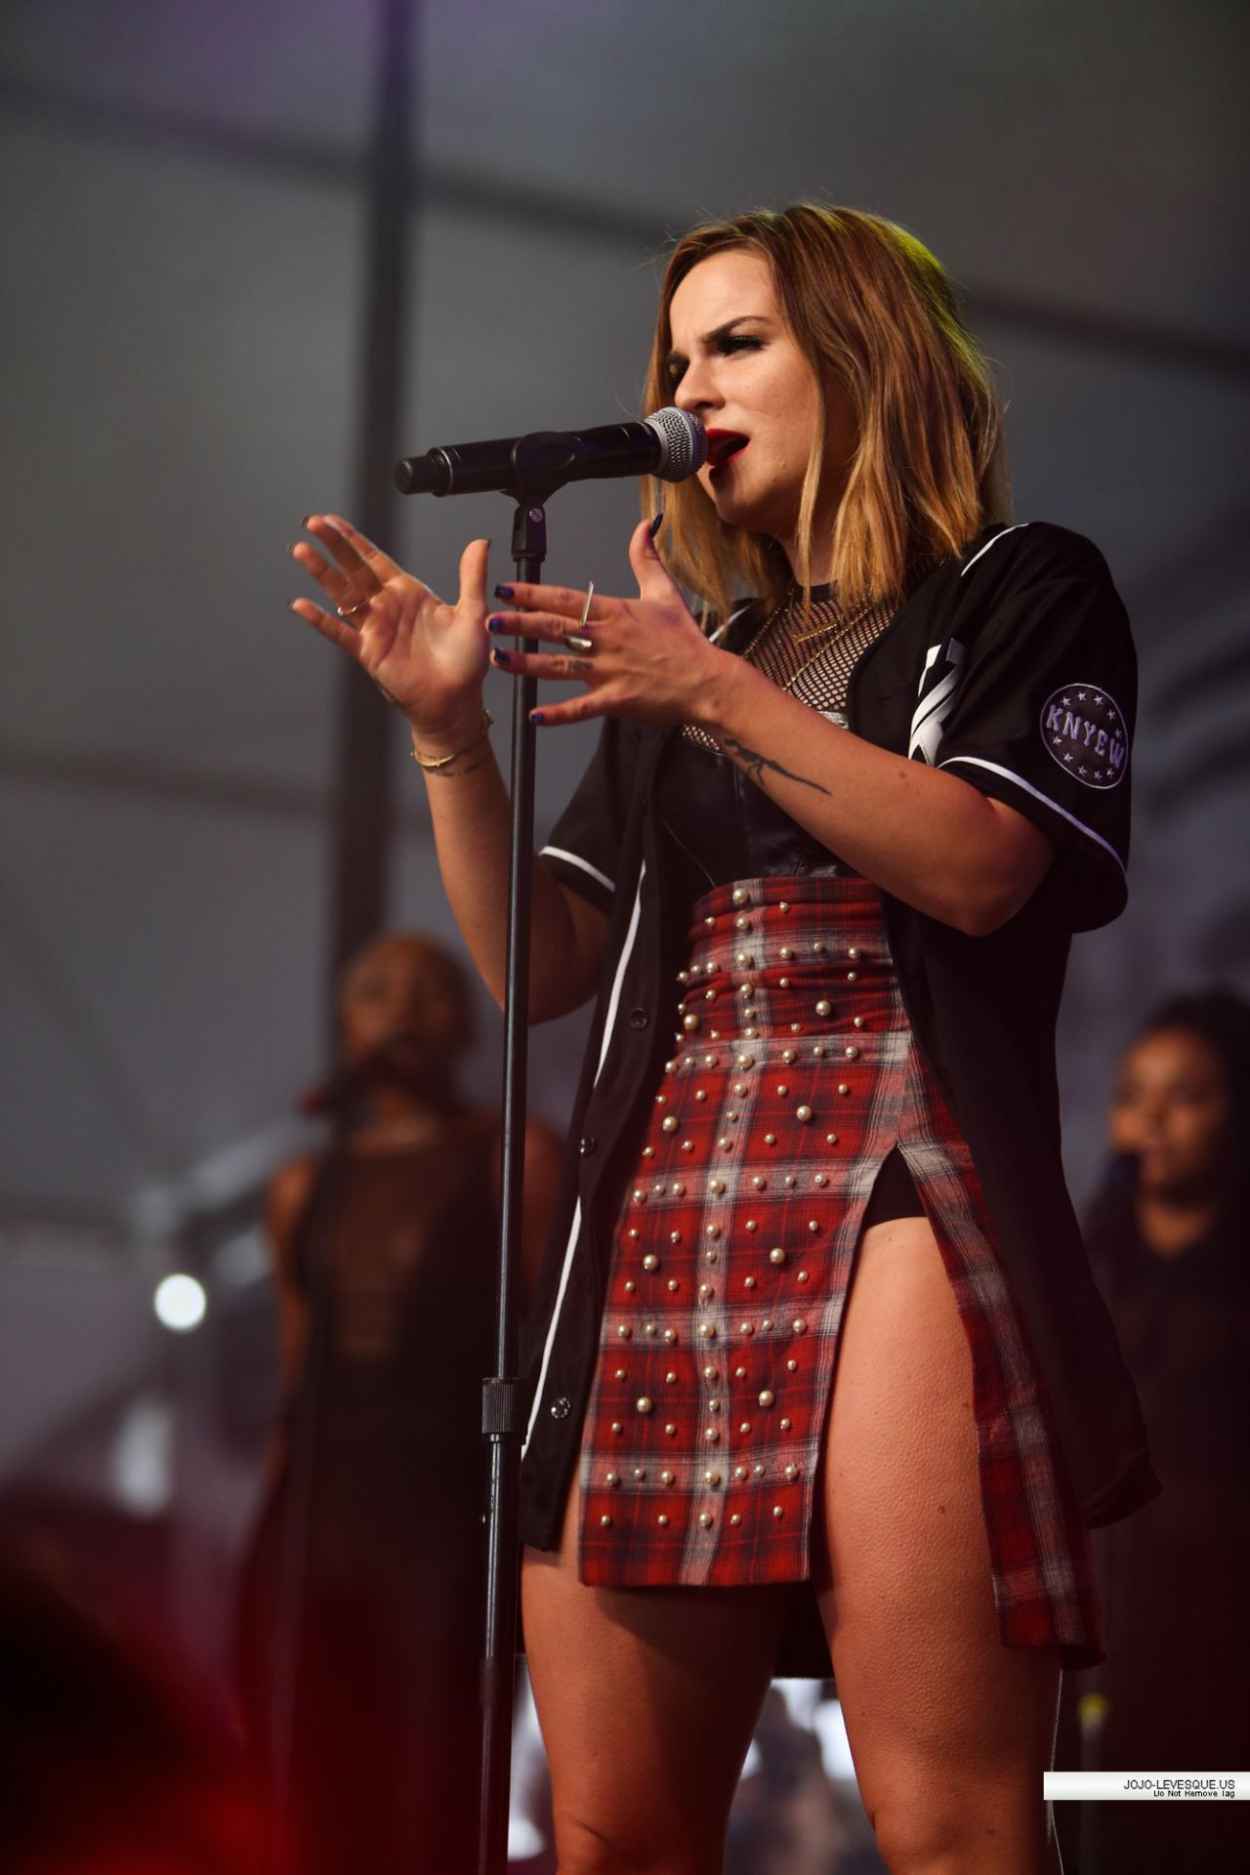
(796, 1073)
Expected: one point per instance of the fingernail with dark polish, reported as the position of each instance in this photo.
(536, 716)
(307, 518)
(657, 522)
(496, 624)
(503, 592)
(500, 656)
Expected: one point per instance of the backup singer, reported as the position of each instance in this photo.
(819, 1329)
(1167, 1235)
(361, 1595)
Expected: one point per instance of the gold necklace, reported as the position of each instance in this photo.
(839, 625)
(828, 632)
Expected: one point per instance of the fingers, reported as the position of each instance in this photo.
(564, 601)
(330, 627)
(353, 578)
(654, 580)
(336, 586)
(533, 624)
(564, 667)
(560, 604)
(582, 709)
(349, 585)
(353, 551)
(473, 564)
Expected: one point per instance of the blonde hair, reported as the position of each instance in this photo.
(871, 307)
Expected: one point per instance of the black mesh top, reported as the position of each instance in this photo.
(811, 657)
(720, 827)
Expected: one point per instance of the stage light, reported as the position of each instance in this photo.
(180, 1303)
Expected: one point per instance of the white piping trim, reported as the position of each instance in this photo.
(627, 949)
(573, 859)
(609, 1023)
(975, 761)
(1001, 535)
(555, 1316)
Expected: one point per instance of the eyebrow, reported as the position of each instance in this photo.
(721, 331)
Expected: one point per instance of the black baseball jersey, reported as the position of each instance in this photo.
(1013, 667)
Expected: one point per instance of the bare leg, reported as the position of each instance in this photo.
(647, 1700)
(951, 1731)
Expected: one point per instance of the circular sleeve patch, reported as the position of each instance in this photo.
(1084, 733)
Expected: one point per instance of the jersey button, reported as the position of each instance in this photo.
(638, 1019)
(587, 1144)
(561, 1407)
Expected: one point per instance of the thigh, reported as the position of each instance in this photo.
(647, 1700)
(951, 1730)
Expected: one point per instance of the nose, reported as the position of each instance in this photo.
(1152, 1123)
(697, 391)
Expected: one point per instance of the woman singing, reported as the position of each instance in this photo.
(818, 1329)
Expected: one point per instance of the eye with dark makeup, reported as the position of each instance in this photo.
(724, 343)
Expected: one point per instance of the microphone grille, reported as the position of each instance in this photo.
(683, 443)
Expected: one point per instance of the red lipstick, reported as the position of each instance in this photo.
(722, 445)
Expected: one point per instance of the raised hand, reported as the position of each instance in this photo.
(427, 656)
(646, 657)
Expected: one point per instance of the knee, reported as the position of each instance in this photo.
(584, 1849)
(912, 1841)
(942, 1837)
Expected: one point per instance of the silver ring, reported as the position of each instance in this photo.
(578, 639)
(350, 611)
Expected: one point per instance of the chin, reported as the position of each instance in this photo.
(738, 510)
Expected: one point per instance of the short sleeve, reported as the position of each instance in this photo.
(586, 842)
(1042, 718)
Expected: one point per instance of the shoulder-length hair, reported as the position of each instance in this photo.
(872, 310)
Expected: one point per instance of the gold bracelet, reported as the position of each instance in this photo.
(445, 761)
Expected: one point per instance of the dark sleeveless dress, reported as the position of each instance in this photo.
(365, 1569)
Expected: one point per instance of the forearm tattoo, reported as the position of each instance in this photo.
(754, 765)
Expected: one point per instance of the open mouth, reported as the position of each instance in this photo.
(722, 445)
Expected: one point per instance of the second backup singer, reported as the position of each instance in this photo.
(818, 1332)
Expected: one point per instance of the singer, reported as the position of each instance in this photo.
(818, 1330)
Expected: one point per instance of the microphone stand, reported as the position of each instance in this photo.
(540, 464)
(502, 1405)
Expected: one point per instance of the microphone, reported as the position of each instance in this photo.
(671, 445)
